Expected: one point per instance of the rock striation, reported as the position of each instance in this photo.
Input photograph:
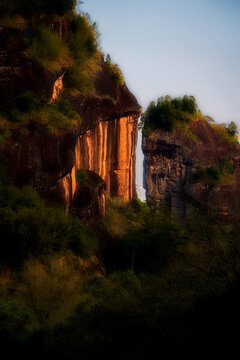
(104, 144)
(171, 158)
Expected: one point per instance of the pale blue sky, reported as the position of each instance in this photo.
(175, 47)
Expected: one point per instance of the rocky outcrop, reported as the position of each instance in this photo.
(172, 157)
(104, 143)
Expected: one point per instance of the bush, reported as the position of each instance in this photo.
(167, 113)
(46, 49)
(28, 228)
(115, 71)
(214, 174)
(81, 177)
(59, 114)
(83, 47)
(139, 237)
(26, 102)
(232, 129)
(14, 318)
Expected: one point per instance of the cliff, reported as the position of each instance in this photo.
(173, 161)
(103, 144)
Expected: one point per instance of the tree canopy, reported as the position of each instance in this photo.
(167, 112)
(232, 128)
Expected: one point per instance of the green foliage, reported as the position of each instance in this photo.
(232, 129)
(59, 114)
(84, 40)
(226, 166)
(129, 313)
(22, 214)
(14, 318)
(115, 71)
(214, 174)
(167, 113)
(66, 109)
(223, 132)
(47, 49)
(81, 177)
(83, 48)
(26, 102)
(141, 237)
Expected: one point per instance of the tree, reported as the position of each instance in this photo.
(232, 128)
(108, 59)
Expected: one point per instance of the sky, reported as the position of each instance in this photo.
(175, 47)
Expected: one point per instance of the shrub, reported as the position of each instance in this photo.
(222, 173)
(226, 166)
(81, 177)
(14, 318)
(213, 173)
(114, 71)
(46, 49)
(65, 107)
(232, 129)
(167, 113)
(84, 40)
(23, 215)
(26, 102)
(140, 237)
(59, 114)
(83, 47)
(222, 131)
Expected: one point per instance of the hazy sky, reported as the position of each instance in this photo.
(175, 47)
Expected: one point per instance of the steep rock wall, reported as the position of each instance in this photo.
(171, 159)
(109, 150)
(104, 144)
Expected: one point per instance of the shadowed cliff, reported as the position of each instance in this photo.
(195, 164)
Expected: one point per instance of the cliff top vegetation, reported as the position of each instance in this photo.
(167, 114)
(62, 41)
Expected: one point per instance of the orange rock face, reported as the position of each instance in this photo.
(109, 151)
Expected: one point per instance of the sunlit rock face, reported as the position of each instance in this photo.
(109, 150)
(171, 158)
(57, 88)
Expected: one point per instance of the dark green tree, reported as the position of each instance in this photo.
(232, 128)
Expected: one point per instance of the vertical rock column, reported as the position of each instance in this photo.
(109, 150)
